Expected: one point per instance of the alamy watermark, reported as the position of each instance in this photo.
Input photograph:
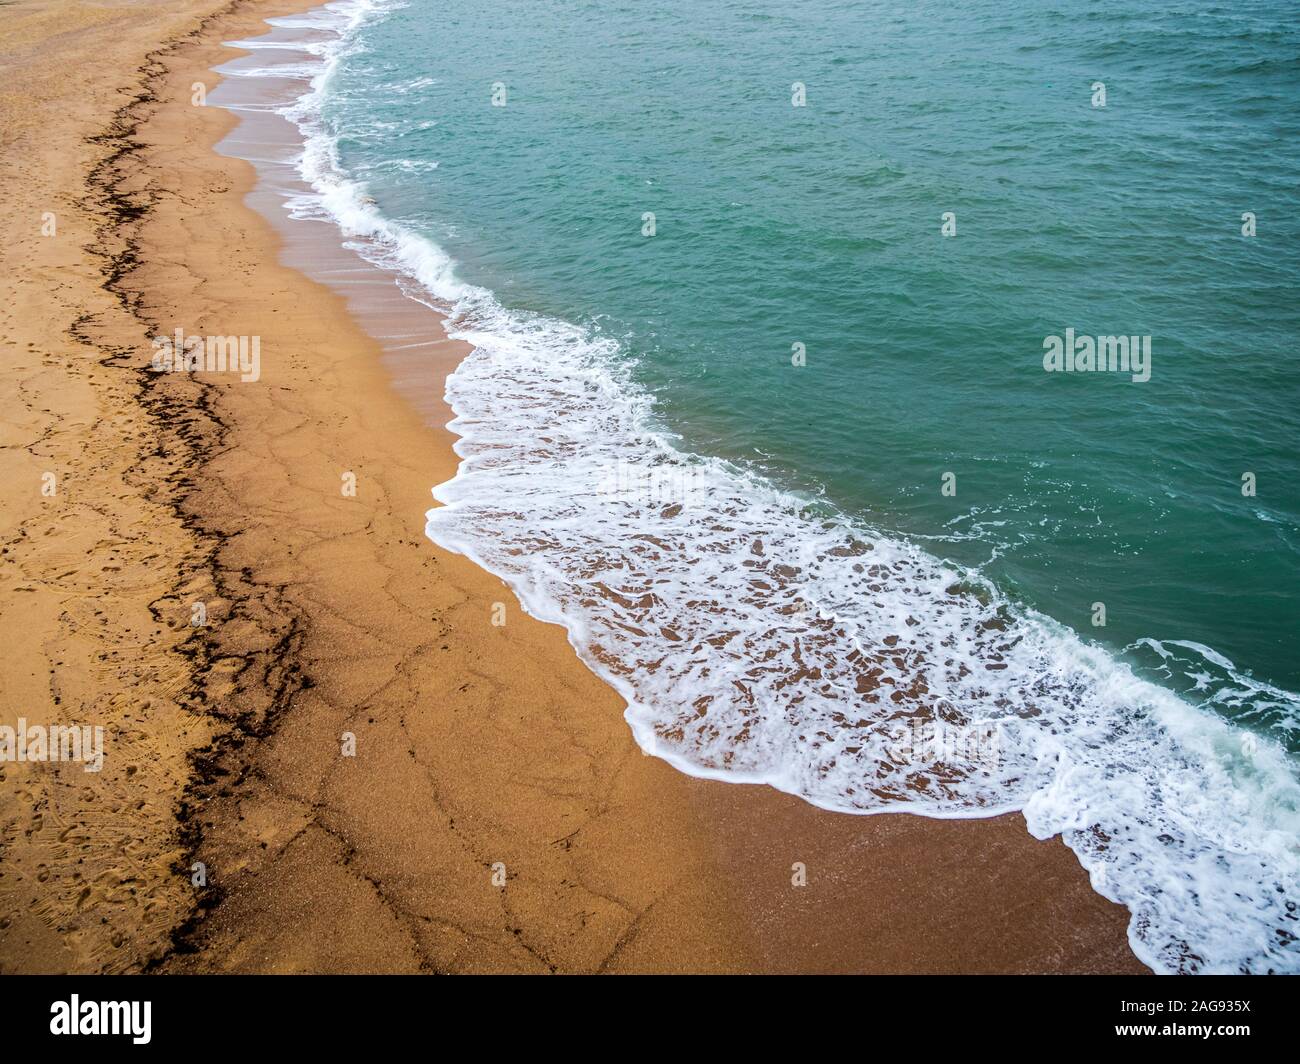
(56, 742)
(1095, 354)
(929, 742)
(77, 1017)
(654, 484)
(208, 354)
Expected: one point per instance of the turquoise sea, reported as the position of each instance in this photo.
(821, 225)
(785, 458)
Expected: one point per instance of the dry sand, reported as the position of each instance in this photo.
(476, 745)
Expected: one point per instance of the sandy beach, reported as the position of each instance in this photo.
(492, 812)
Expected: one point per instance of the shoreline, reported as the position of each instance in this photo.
(476, 744)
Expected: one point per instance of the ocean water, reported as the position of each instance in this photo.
(873, 578)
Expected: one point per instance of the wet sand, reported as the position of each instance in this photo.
(476, 746)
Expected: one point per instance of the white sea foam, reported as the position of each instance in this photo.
(761, 637)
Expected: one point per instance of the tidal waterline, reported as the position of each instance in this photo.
(774, 625)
